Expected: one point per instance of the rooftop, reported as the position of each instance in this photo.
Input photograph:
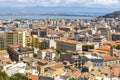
(108, 57)
(68, 41)
(33, 77)
(93, 56)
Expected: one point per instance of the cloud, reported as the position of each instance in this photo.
(90, 3)
(106, 2)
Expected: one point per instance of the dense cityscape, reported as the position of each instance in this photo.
(60, 49)
(59, 40)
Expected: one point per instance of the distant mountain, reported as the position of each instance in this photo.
(57, 9)
(112, 15)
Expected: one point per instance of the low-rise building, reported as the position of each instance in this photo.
(5, 62)
(96, 59)
(71, 45)
(115, 36)
(47, 54)
(99, 39)
(17, 52)
(74, 59)
(111, 60)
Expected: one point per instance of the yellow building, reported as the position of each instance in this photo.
(39, 43)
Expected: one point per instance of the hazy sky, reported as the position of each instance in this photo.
(85, 3)
(83, 6)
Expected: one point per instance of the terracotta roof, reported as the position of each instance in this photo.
(5, 61)
(105, 70)
(105, 48)
(84, 74)
(43, 61)
(109, 58)
(56, 66)
(67, 41)
(3, 53)
(50, 31)
(33, 77)
(115, 71)
(75, 74)
(64, 27)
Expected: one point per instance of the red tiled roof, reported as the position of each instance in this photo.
(109, 58)
(33, 77)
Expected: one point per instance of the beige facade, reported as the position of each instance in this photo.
(112, 62)
(16, 37)
(69, 45)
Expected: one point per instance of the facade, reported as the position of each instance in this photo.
(47, 54)
(2, 43)
(111, 60)
(96, 59)
(17, 52)
(39, 43)
(74, 59)
(16, 37)
(71, 45)
(100, 39)
(106, 31)
(115, 36)
(5, 61)
(41, 32)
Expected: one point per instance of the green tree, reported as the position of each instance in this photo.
(59, 51)
(87, 47)
(52, 48)
(118, 47)
(18, 76)
(34, 55)
(3, 76)
(73, 79)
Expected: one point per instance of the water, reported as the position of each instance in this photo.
(31, 17)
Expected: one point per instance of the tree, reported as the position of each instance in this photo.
(34, 55)
(52, 48)
(3, 76)
(72, 78)
(87, 47)
(118, 47)
(59, 51)
(18, 76)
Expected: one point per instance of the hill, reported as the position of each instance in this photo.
(112, 15)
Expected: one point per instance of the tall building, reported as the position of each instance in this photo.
(39, 43)
(2, 43)
(16, 37)
(106, 31)
(41, 32)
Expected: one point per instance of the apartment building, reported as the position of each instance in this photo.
(18, 52)
(2, 43)
(71, 45)
(106, 31)
(16, 37)
(96, 59)
(74, 59)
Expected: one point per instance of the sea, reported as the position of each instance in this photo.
(37, 17)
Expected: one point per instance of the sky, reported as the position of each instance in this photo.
(109, 5)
